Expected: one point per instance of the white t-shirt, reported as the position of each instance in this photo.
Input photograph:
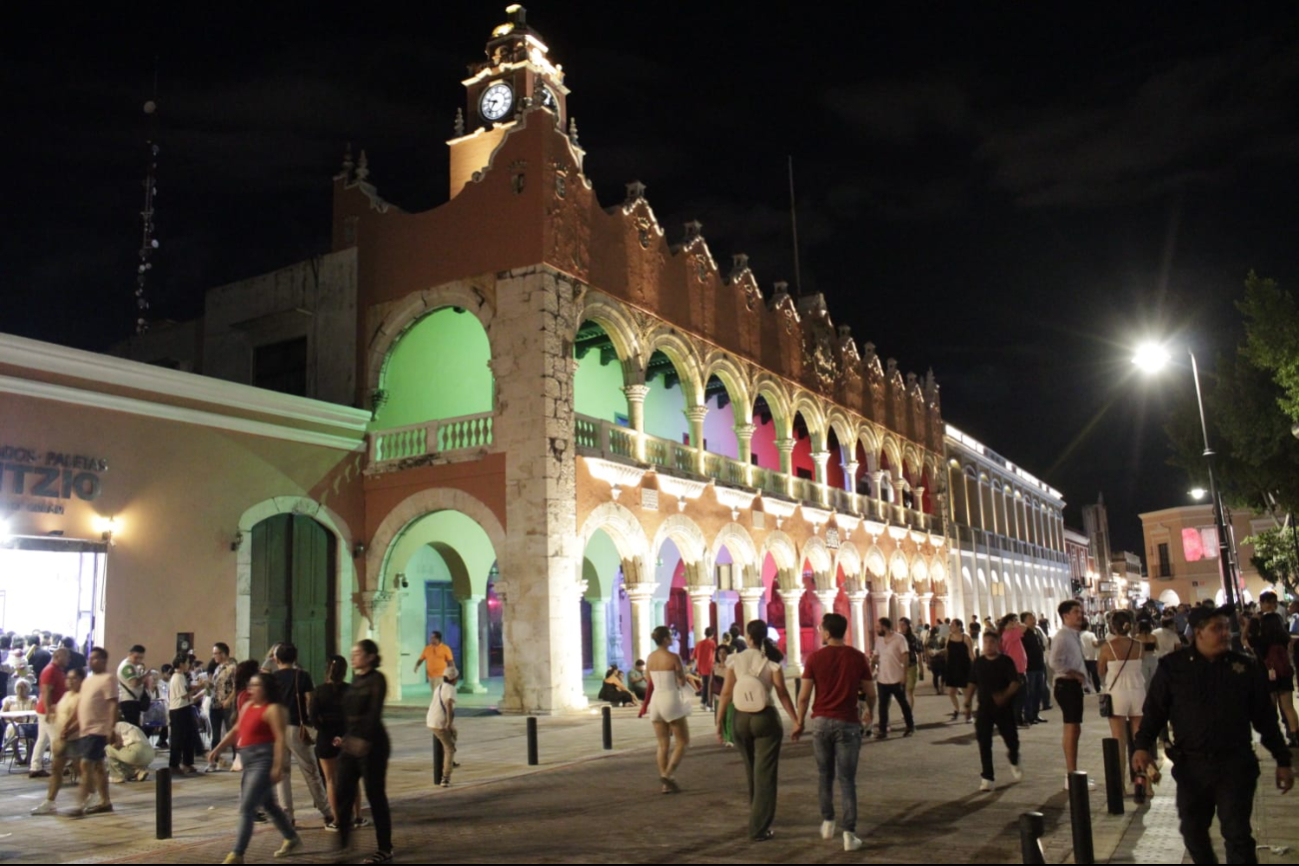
(442, 706)
(178, 691)
(894, 654)
(1166, 641)
(1088, 645)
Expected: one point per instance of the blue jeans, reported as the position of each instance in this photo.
(1035, 694)
(837, 744)
(255, 791)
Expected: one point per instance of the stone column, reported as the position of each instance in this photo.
(744, 445)
(636, 416)
(905, 601)
(660, 613)
(918, 499)
(599, 636)
(821, 459)
(695, 415)
(850, 468)
(877, 485)
(642, 620)
(927, 607)
(470, 663)
(749, 597)
(858, 602)
(786, 448)
(945, 602)
(881, 602)
(793, 628)
(700, 596)
(827, 598)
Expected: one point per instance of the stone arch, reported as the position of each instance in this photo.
(920, 573)
(685, 534)
(890, 449)
(938, 573)
(899, 572)
(744, 553)
(818, 555)
(776, 394)
(870, 443)
(875, 564)
(346, 578)
(844, 428)
(613, 317)
(684, 357)
(805, 404)
(628, 536)
(416, 506)
(848, 557)
(785, 554)
(913, 460)
(415, 306)
(724, 367)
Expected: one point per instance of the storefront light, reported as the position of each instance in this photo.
(107, 527)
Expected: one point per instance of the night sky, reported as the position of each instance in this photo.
(1002, 194)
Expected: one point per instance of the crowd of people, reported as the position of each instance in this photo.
(101, 724)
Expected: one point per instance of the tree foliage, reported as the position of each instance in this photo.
(1275, 557)
(1272, 337)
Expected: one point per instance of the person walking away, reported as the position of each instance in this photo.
(1213, 696)
(1011, 631)
(365, 750)
(221, 710)
(1035, 670)
(1120, 667)
(891, 651)
(750, 678)
(96, 719)
(129, 755)
(960, 656)
(330, 723)
(441, 720)
(435, 658)
(996, 681)
(63, 743)
(295, 689)
(1090, 648)
(837, 673)
(52, 685)
(1071, 679)
(261, 738)
(130, 685)
(915, 658)
(705, 659)
(180, 718)
(1270, 640)
(668, 708)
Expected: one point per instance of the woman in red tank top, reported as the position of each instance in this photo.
(260, 735)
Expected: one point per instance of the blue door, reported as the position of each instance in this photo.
(442, 613)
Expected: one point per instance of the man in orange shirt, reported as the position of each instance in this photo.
(435, 658)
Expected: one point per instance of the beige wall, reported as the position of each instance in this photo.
(1194, 581)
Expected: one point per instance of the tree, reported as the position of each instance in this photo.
(1276, 557)
(1272, 341)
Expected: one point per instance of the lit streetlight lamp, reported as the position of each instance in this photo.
(1152, 358)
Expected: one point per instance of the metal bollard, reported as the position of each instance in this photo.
(1080, 815)
(162, 791)
(439, 761)
(1113, 776)
(532, 742)
(1031, 827)
(607, 725)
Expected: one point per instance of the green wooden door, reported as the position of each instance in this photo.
(292, 592)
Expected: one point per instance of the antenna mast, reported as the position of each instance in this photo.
(793, 221)
(148, 242)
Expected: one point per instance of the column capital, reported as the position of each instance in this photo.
(745, 430)
(696, 413)
(636, 393)
(698, 593)
(827, 597)
(852, 466)
(642, 591)
(786, 446)
(858, 596)
(881, 595)
(926, 596)
(821, 456)
(752, 593)
(377, 600)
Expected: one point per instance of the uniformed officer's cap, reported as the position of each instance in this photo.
(1200, 615)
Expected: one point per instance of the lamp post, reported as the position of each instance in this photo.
(1152, 358)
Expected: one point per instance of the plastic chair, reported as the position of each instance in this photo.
(25, 732)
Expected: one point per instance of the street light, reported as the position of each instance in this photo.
(1197, 493)
(1151, 358)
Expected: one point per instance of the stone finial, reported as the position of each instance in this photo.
(363, 167)
(348, 164)
(635, 192)
(845, 331)
(911, 381)
(694, 229)
(460, 122)
(892, 366)
(782, 290)
(739, 264)
(931, 384)
(572, 130)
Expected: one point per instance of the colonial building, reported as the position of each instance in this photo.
(1182, 553)
(1085, 580)
(1007, 535)
(545, 427)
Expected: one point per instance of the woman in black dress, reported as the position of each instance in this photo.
(330, 723)
(365, 750)
(959, 650)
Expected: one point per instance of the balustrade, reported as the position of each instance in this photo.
(442, 436)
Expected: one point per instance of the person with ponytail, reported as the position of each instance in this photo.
(1119, 664)
(750, 678)
(668, 707)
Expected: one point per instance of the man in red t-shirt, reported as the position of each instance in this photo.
(52, 685)
(838, 673)
(705, 657)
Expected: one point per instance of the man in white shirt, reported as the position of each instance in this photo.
(130, 754)
(891, 656)
(1166, 638)
(1088, 639)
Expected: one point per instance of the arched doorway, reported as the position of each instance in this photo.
(292, 589)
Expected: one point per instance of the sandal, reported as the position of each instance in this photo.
(379, 857)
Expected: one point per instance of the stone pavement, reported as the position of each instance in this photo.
(918, 803)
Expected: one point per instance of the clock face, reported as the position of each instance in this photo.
(496, 101)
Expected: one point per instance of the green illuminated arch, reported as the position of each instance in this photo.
(437, 369)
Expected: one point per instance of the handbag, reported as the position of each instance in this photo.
(304, 733)
(1107, 699)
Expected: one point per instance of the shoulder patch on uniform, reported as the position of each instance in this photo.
(1238, 667)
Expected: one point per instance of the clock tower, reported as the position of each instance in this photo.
(516, 78)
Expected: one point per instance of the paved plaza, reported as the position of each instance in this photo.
(918, 802)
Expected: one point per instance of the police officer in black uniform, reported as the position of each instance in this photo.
(1212, 695)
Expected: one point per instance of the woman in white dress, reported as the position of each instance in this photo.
(1119, 664)
(667, 708)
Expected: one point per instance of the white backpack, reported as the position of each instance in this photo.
(749, 694)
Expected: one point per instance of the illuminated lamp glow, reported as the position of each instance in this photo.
(1151, 357)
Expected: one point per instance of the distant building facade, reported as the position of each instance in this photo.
(1182, 551)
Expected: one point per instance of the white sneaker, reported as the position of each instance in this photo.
(987, 785)
(851, 841)
(1017, 772)
(47, 807)
(827, 830)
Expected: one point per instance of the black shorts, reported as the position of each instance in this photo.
(92, 747)
(1069, 696)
